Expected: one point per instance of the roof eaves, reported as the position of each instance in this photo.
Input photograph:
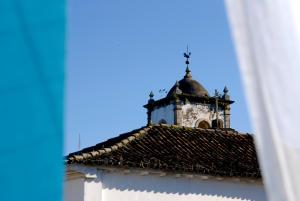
(81, 156)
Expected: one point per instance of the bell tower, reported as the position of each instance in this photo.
(189, 104)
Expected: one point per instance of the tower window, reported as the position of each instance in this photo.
(203, 124)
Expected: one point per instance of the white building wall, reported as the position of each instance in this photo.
(166, 113)
(93, 189)
(131, 187)
(135, 186)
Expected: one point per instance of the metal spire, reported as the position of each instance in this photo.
(187, 55)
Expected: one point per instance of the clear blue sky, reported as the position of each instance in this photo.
(118, 51)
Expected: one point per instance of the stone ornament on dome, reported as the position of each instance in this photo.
(177, 89)
(225, 95)
(225, 90)
(151, 95)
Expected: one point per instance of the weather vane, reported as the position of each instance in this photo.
(187, 55)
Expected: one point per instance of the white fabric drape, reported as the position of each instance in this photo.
(267, 39)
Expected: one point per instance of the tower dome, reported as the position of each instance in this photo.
(189, 86)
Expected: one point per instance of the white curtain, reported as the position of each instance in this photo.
(267, 39)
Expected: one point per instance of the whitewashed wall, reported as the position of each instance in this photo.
(166, 113)
(133, 187)
(137, 186)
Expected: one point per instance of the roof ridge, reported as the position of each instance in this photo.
(223, 130)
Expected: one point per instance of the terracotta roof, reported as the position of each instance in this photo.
(223, 152)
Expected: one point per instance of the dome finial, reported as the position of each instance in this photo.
(225, 95)
(225, 90)
(187, 70)
(187, 55)
(151, 100)
(151, 95)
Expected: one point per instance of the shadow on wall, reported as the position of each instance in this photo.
(183, 186)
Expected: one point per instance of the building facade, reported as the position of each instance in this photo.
(187, 151)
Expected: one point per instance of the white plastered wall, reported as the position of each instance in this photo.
(140, 185)
(83, 184)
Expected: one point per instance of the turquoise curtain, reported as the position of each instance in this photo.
(32, 40)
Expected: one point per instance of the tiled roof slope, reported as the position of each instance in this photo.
(222, 152)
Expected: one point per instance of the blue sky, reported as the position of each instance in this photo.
(118, 51)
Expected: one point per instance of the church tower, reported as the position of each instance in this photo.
(189, 104)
